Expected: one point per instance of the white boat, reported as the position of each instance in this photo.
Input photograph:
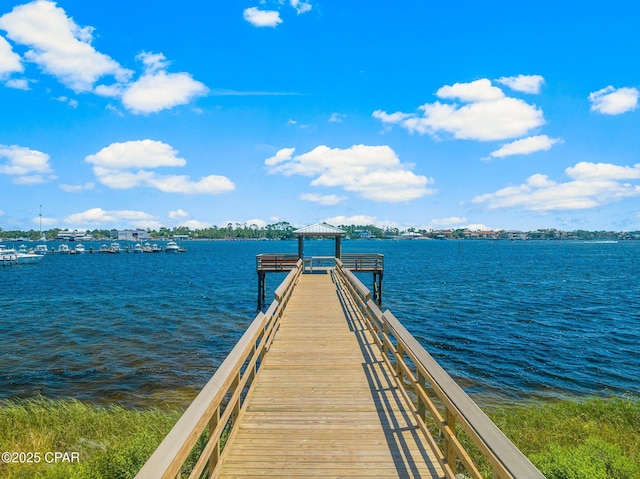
(28, 258)
(80, 249)
(41, 249)
(137, 248)
(8, 256)
(64, 249)
(151, 248)
(172, 247)
(114, 247)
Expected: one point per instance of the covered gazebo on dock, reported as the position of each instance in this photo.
(286, 262)
(323, 230)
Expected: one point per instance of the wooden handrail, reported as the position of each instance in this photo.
(419, 374)
(209, 410)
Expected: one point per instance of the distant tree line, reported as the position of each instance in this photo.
(283, 230)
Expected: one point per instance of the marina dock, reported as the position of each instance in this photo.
(325, 384)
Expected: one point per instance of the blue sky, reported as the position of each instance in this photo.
(434, 115)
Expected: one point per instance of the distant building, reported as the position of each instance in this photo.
(74, 235)
(364, 234)
(516, 235)
(133, 235)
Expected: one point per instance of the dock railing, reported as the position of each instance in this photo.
(212, 415)
(440, 404)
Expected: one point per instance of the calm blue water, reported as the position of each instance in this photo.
(509, 320)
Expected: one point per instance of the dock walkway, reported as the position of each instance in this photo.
(325, 384)
(324, 404)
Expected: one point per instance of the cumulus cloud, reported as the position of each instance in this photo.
(262, 18)
(590, 185)
(25, 166)
(612, 101)
(178, 214)
(129, 164)
(158, 90)
(300, 7)
(63, 49)
(98, 216)
(59, 46)
(526, 146)
(373, 172)
(325, 200)
(9, 60)
(485, 114)
(523, 83)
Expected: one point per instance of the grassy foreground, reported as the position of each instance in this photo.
(595, 438)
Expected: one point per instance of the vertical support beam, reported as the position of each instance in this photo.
(420, 384)
(262, 294)
(338, 247)
(215, 455)
(300, 247)
(377, 287)
(449, 451)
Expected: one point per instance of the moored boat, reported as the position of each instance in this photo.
(80, 249)
(172, 247)
(64, 249)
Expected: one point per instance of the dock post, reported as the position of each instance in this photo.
(262, 280)
(377, 287)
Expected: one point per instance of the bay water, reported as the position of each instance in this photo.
(510, 321)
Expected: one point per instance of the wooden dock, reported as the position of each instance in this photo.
(324, 405)
(324, 384)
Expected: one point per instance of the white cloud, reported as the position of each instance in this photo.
(59, 46)
(326, 200)
(26, 166)
(156, 89)
(98, 216)
(9, 60)
(337, 118)
(77, 188)
(262, 18)
(136, 154)
(178, 214)
(526, 146)
(476, 91)
(257, 222)
(590, 185)
(523, 83)
(63, 49)
(126, 165)
(195, 224)
(301, 7)
(18, 83)
(361, 220)
(486, 115)
(612, 101)
(373, 172)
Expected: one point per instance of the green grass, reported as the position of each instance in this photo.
(590, 439)
(112, 442)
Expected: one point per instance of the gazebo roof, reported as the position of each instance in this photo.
(319, 229)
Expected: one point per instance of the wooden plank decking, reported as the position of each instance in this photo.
(323, 404)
